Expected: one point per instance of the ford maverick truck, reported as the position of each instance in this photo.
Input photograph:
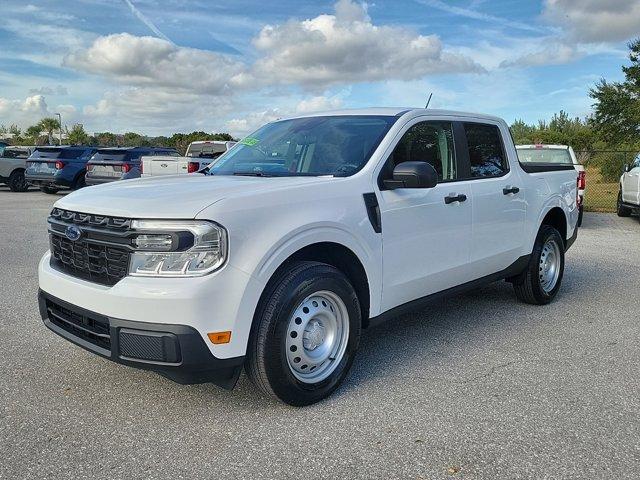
(277, 256)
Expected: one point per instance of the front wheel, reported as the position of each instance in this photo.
(17, 182)
(306, 334)
(541, 280)
(621, 210)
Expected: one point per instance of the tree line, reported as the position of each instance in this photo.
(608, 138)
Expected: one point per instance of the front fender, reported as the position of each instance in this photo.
(307, 235)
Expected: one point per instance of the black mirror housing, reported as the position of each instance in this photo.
(412, 175)
(627, 167)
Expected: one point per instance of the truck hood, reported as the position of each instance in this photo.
(175, 196)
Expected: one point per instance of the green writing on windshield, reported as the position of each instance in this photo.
(252, 142)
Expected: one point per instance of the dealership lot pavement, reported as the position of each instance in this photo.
(476, 386)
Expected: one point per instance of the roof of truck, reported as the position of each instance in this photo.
(398, 111)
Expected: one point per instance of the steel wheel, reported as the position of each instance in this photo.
(317, 336)
(549, 268)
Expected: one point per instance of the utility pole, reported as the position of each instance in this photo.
(60, 128)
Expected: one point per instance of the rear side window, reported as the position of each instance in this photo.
(486, 152)
(430, 142)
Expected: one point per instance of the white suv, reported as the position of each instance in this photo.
(629, 194)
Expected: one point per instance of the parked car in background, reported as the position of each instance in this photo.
(199, 155)
(539, 153)
(56, 168)
(629, 194)
(13, 163)
(306, 232)
(121, 163)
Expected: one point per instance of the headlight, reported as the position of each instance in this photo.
(177, 248)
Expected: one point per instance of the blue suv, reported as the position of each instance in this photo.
(54, 168)
(121, 163)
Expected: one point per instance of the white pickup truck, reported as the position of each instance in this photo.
(308, 231)
(13, 163)
(199, 155)
(629, 193)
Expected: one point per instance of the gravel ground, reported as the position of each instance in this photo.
(476, 386)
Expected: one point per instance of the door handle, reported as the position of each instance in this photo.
(455, 198)
(508, 190)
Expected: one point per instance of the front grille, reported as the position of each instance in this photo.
(93, 328)
(101, 255)
(94, 262)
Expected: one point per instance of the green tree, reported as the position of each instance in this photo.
(77, 135)
(33, 133)
(617, 104)
(49, 125)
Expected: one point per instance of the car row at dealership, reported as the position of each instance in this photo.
(54, 168)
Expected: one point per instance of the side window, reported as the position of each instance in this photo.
(430, 142)
(486, 153)
(636, 162)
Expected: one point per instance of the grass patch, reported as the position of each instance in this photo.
(600, 196)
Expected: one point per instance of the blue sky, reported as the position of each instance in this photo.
(163, 66)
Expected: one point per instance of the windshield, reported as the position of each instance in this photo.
(116, 155)
(334, 145)
(544, 155)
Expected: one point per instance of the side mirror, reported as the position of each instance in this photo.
(412, 175)
(627, 167)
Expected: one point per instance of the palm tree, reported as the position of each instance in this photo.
(33, 132)
(49, 125)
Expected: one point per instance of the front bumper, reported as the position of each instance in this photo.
(177, 352)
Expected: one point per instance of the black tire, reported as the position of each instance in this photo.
(49, 190)
(79, 182)
(266, 361)
(528, 285)
(17, 182)
(621, 210)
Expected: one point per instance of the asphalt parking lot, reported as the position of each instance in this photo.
(476, 386)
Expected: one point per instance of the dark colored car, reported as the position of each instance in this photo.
(55, 168)
(121, 163)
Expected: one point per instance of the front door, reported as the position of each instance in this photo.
(426, 240)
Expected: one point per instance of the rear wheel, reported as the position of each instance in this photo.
(17, 182)
(306, 334)
(621, 210)
(79, 183)
(49, 190)
(541, 280)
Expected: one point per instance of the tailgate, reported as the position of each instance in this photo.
(161, 165)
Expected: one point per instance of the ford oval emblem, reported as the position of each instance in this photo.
(73, 233)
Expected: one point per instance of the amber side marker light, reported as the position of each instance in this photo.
(219, 337)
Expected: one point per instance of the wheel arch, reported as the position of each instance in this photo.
(557, 219)
(333, 253)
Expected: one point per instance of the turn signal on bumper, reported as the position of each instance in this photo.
(218, 338)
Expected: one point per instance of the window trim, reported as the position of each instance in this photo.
(408, 126)
(465, 152)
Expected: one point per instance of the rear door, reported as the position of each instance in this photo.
(497, 193)
(426, 241)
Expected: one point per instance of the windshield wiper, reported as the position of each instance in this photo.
(253, 174)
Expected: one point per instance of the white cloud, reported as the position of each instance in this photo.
(592, 21)
(319, 103)
(151, 61)
(57, 90)
(347, 47)
(555, 53)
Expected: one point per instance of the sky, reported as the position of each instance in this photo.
(164, 66)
